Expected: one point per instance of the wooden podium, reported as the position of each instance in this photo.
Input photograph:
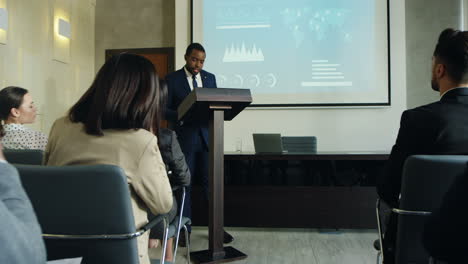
(212, 106)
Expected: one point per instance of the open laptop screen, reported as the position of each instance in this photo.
(267, 143)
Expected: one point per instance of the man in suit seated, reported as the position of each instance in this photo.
(437, 128)
(20, 233)
(193, 136)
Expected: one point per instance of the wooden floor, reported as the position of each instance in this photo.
(311, 246)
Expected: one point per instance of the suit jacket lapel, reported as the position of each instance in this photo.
(183, 78)
(205, 80)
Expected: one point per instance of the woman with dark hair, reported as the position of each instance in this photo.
(16, 109)
(115, 122)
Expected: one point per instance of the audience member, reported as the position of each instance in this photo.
(20, 234)
(436, 128)
(175, 164)
(114, 123)
(445, 230)
(174, 158)
(171, 152)
(16, 109)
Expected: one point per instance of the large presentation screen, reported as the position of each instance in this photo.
(298, 52)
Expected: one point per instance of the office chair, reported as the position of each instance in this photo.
(177, 224)
(24, 156)
(425, 180)
(85, 211)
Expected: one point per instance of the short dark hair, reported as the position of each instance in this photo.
(163, 93)
(196, 46)
(10, 97)
(124, 95)
(162, 99)
(452, 50)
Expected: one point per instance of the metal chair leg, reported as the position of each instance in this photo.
(179, 223)
(176, 243)
(176, 246)
(166, 232)
(380, 255)
(188, 243)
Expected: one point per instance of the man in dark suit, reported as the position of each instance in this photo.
(437, 128)
(192, 136)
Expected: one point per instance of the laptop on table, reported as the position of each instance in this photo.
(268, 143)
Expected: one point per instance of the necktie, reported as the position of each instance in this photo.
(194, 81)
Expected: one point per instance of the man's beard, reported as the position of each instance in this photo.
(435, 85)
(190, 69)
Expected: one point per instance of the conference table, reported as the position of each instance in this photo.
(321, 155)
(336, 203)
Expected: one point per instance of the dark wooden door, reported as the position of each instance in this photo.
(162, 58)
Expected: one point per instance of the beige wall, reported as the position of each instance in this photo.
(27, 59)
(122, 24)
(182, 31)
(422, 31)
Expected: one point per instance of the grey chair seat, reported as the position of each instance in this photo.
(173, 226)
(185, 221)
(157, 261)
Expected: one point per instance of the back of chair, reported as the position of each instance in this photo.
(83, 200)
(425, 180)
(24, 156)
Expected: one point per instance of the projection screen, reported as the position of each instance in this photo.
(298, 52)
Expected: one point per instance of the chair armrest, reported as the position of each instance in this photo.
(156, 220)
(408, 212)
(137, 233)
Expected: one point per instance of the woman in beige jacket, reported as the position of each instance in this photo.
(112, 123)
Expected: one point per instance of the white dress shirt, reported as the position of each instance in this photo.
(190, 81)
